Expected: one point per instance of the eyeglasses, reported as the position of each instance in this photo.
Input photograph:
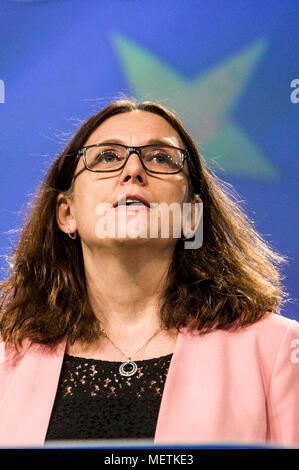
(154, 158)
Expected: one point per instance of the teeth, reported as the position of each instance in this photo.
(128, 201)
(124, 201)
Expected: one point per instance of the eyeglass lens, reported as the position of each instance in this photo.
(162, 159)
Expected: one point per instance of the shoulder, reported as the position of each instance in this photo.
(28, 352)
(273, 327)
(267, 348)
(32, 362)
(277, 323)
(267, 334)
(275, 333)
(272, 322)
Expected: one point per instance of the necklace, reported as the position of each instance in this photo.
(123, 368)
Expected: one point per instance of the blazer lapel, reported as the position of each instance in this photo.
(178, 394)
(29, 393)
(45, 391)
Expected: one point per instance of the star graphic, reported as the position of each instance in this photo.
(205, 104)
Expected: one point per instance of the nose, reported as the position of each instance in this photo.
(136, 155)
(133, 167)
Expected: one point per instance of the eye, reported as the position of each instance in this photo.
(108, 156)
(160, 157)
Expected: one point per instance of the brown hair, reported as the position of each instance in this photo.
(230, 282)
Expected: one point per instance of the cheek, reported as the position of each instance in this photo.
(84, 211)
(181, 192)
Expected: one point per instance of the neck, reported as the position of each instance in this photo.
(124, 282)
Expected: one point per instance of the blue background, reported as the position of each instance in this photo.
(61, 62)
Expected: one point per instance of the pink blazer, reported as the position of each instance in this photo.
(222, 387)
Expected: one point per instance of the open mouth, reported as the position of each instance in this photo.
(132, 201)
(132, 205)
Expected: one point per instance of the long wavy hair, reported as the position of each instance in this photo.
(231, 281)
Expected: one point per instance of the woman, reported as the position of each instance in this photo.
(130, 336)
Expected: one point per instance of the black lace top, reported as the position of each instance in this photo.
(94, 401)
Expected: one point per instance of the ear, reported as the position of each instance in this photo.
(64, 214)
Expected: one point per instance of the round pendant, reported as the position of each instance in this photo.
(132, 370)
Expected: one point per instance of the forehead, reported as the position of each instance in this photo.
(136, 128)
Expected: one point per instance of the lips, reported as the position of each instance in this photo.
(122, 199)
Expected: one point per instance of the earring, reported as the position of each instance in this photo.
(72, 236)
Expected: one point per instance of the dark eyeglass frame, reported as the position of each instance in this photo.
(130, 150)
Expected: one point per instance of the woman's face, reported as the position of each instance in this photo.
(91, 189)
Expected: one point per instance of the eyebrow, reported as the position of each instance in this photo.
(149, 142)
